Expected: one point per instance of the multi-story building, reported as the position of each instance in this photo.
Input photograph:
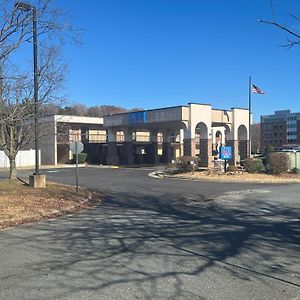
(280, 129)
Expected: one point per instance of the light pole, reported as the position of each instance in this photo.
(249, 120)
(28, 7)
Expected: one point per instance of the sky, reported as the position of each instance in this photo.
(157, 53)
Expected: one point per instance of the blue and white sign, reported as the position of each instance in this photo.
(226, 152)
(137, 117)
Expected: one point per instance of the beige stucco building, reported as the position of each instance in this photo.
(191, 130)
(150, 136)
(58, 131)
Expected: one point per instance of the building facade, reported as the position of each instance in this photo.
(58, 131)
(280, 129)
(149, 136)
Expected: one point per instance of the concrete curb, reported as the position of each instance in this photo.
(157, 174)
(103, 166)
(162, 175)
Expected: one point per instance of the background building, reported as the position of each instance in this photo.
(280, 129)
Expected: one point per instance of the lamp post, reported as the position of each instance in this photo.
(28, 7)
(37, 179)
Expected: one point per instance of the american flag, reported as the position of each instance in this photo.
(257, 90)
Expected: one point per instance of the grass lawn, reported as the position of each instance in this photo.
(20, 203)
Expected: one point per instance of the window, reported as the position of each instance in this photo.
(84, 133)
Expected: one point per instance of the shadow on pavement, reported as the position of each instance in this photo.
(159, 247)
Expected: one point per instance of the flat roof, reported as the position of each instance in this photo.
(145, 110)
(78, 119)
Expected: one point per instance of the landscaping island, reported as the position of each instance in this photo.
(273, 168)
(241, 177)
(20, 203)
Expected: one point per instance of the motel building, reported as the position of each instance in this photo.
(150, 136)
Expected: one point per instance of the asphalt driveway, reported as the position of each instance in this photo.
(159, 239)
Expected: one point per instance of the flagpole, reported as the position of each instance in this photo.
(250, 92)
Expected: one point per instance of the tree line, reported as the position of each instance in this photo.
(83, 110)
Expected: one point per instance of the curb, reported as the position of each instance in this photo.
(157, 175)
(103, 166)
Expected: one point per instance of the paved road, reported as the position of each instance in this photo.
(159, 239)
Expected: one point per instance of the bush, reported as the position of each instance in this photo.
(279, 163)
(269, 149)
(81, 158)
(187, 164)
(266, 161)
(296, 171)
(233, 169)
(254, 165)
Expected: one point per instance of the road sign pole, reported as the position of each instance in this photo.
(76, 148)
(76, 155)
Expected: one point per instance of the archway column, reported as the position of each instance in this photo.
(166, 146)
(243, 141)
(112, 157)
(152, 148)
(189, 146)
(127, 149)
(205, 152)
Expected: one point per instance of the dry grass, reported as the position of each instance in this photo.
(243, 177)
(21, 204)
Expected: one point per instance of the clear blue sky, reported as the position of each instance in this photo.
(156, 53)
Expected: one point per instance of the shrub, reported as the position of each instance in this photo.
(254, 165)
(81, 158)
(187, 164)
(269, 149)
(296, 171)
(279, 163)
(233, 169)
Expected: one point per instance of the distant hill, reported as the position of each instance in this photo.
(83, 110)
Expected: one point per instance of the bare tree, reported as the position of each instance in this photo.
(17, 105)
(293, 36)
(255, 137)
(16, 82)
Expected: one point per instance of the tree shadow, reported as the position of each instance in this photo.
(160, 247)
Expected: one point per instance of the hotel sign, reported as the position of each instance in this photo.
(137, 117)
(226, 152)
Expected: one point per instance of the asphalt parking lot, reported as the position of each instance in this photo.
(159, 239)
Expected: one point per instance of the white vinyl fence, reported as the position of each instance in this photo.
(25, 158)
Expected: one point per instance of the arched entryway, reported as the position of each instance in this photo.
(203, 151)
(242, 142)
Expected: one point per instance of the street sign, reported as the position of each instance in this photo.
(226, 152)
(79, 147)
(76, 148)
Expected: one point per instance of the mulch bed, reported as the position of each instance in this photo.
(21, 204)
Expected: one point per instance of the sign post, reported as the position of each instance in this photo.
(76, 148)
(226, 154)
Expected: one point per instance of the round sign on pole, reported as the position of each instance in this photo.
(79, 147)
